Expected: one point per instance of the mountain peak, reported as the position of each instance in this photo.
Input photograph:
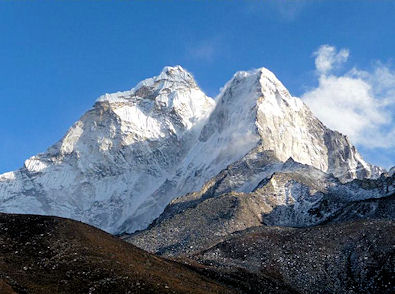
(134, 151)
(170, 79)
(249, 86)
(175, 73)
(261, 72)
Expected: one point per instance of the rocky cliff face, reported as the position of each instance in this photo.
(120, 165)
(295, 195)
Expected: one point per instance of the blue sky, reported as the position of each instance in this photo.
(57, 57)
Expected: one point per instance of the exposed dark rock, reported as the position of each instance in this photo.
(355, 257)
(295, 196)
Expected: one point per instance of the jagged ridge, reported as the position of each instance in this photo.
(134, 151)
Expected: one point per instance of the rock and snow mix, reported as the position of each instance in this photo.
(122, 163)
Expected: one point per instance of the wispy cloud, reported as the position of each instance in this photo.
(204, 50)
(359, 103)
(287, 10)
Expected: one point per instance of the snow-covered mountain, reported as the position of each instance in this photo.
(126, 158)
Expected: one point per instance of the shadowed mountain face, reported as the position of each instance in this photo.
(53, 255)
(295, 195)
(336, 237)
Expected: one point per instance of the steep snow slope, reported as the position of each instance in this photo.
(255, 114)
(255, 108)
(115, 156)
(134, 151)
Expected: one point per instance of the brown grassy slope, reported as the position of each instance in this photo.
(40, 254)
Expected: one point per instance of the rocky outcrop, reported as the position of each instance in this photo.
(295, 195)
(354, 257)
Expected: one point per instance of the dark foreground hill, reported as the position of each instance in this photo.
(41, 254)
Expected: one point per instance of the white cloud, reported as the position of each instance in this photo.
(327, 58)
(359, 104)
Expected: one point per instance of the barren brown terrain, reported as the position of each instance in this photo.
(40, 254)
